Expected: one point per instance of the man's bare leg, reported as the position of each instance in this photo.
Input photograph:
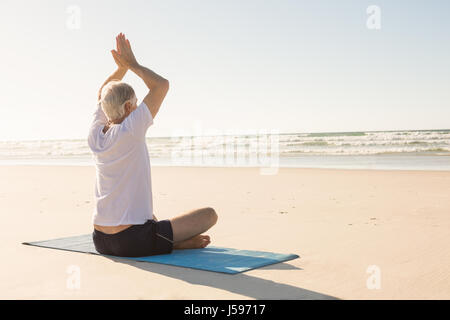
(188, 228)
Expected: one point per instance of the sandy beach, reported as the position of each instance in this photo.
(342, 224)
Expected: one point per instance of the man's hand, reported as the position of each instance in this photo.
(120, 64)
(123, 55)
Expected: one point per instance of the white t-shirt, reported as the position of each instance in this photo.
(123, 190)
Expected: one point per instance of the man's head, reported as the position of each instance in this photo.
(118, 100)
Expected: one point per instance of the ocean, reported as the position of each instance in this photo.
(393, 150)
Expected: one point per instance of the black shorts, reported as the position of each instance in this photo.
(150, 238)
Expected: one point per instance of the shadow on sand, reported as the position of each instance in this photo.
(240, 283)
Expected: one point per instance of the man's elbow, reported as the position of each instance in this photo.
(161, 85)
(164, 84)
(158, 85)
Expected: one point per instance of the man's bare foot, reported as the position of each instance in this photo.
(196, 242)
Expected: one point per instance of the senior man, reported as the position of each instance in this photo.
(124, 223)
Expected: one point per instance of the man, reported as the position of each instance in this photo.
(124, 224)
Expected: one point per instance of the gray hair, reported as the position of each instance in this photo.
(113, 98)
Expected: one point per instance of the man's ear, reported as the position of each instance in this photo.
(128, 107)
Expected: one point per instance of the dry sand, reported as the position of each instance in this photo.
(340, 222)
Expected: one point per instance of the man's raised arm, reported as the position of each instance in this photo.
(157, 85)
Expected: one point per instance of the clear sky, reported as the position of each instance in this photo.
(233, 66)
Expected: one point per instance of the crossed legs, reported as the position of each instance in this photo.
(188, 228)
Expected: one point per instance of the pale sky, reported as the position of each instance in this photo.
(233, 66)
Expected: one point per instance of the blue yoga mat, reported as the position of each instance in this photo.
(211, 258)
